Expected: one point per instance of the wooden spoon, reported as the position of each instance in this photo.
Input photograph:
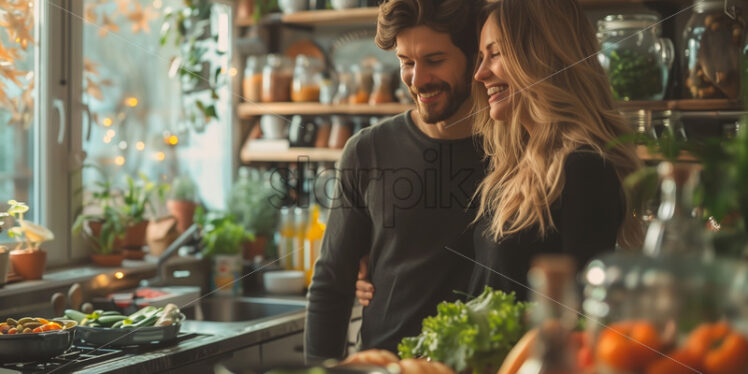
(58, 303)
(75, 296)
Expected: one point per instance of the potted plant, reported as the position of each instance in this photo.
(222, 240)
(28, 259)
(136, 199)
(182, 202)
(251, 202)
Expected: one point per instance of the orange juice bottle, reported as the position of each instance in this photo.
(312, 242)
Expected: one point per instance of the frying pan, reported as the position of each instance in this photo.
(118, 337)
(35, 347)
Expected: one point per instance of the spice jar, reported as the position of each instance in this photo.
(362, 82)
(382, 91)
(635, 57)
(276, 79)
(305, 85)
(252, 82)
(713, 42)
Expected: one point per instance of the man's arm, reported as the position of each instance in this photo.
(347, 238)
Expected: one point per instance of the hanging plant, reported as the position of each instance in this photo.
(189, 29)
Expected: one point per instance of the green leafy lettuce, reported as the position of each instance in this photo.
(476, 335)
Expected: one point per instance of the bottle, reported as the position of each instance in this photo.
(286, 237)
(676, 230)
(252, 82)
(300, 224)
(312, 242)
(554, 294)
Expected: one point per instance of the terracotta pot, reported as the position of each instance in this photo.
(28, 264)
(95, 231)
(255, 248)
(133, 254)
(244, 8)
(108, 260)
(135, 236)
(184, 211)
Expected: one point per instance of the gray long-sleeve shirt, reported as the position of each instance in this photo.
(402, 197)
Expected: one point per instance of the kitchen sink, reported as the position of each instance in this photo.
(235, 309)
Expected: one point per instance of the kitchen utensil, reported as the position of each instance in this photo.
(59, 302)
(75, 296)
(35, 347)
(284, 281)
(123, 337)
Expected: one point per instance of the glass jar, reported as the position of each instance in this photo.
(276, 79)
(635, 57)
(712, 42)
(305, 85)
(362, 82)
(382, 91)
(252, 82)
(345, 88)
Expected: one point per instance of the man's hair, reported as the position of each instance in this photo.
(455, 17)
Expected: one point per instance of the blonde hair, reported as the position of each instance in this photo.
(549, 52)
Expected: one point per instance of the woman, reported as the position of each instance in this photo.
(545, 114)
(553, 183)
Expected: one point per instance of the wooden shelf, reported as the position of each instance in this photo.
(682, 105)
(644, 155)
(247, 110)
(292, 155)
(332, 17)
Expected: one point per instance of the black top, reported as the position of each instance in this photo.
(403, 197)
(587, 217)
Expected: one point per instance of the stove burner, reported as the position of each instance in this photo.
(78, 357)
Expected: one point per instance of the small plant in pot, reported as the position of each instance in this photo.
(252, 202)
(222, 240)
(27, 258)
(183, 201)
(136, 200)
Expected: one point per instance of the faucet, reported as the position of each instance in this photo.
(191, 236)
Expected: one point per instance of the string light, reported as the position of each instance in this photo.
(110, 133)
(172, 140)
(157, 4)
(119, 275)
(107, 140)
(140, 146)
(233, 72)
(119, 160)
(123, 145)
(106, 122)
(160, 156)
(131, 102)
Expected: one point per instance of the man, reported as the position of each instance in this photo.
(404, 188)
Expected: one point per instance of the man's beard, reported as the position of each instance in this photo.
(455, 97)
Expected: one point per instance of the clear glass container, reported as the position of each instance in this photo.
(286, 236)
(362, 82)
(382, 91)
(345, 89)
(635, 57)
(252, 82)
(306, 79)
(276, 79)
(713, 42)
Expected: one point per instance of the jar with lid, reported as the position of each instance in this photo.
(305, 85)
(635, 57)
(362, 82)
(382, 91)
(345, 88)
(252, 82)
(713, 42)
(276, 79)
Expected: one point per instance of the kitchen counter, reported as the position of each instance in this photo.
(215, 342)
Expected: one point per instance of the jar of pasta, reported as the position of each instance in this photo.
(713, 40)
(252, 82)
